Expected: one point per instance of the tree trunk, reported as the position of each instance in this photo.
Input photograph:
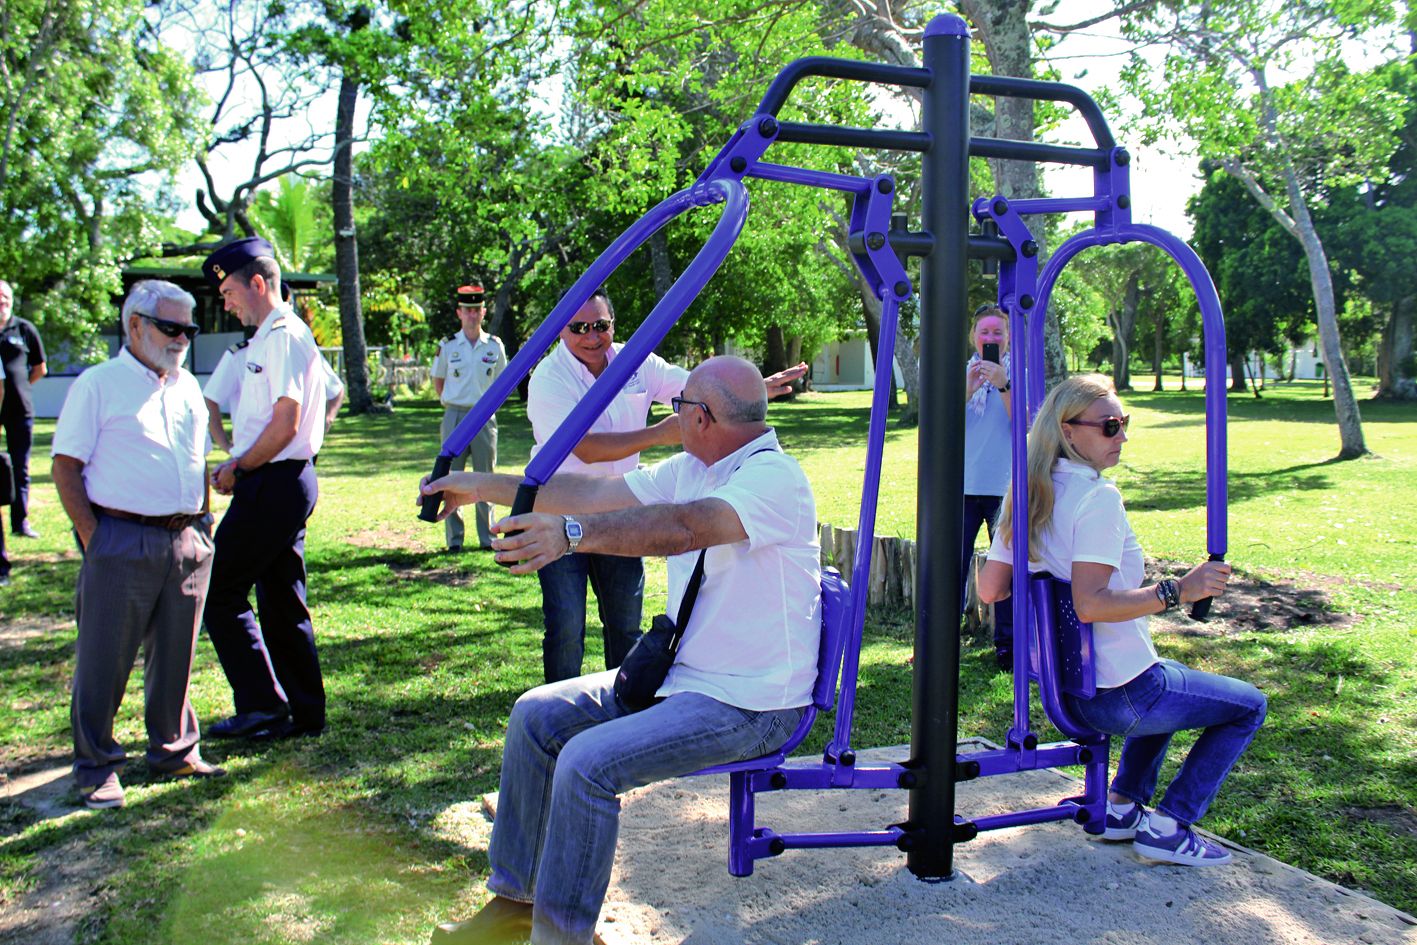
(1158, 339)
(1396, 370)
(1345, 405)
(1008, 42)
(660, 263)
(775, 353)
(1123, 321)
(357, 398)
(1237, 372)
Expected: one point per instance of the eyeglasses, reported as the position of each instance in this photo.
(678, 403)
(172, 329)
(1110, 426)
(601, 325)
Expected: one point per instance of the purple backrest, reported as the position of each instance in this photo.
(1060, 653)
(836, 623)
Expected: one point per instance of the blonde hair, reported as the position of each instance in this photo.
(1047, 445)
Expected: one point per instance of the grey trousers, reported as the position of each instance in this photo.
(483, 453)
(138, 585)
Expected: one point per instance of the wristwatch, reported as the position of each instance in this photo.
(574, 532)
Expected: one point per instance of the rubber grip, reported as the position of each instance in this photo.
(1201, 608)
(524, 502)
(441, 467)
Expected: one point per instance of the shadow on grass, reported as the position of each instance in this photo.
(1173, 489)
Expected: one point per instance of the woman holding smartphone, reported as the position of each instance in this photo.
(1077, 529)
(987, 450)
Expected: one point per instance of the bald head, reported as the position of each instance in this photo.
(733, 389)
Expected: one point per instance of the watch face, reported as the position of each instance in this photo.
(573, 530)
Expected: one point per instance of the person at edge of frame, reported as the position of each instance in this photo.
(467, 363)
(610, 448)
(741, 678)
(22, 364)
(1077, 528)
(130, 466)
(987, 452)
(272, 665)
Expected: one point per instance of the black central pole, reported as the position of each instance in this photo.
(940, 503)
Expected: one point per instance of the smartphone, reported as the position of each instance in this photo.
(991, 352)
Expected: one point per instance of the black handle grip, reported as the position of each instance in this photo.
(1201, 608)
(441, 467)
(524, 502)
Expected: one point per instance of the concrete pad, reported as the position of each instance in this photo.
(1026, 885)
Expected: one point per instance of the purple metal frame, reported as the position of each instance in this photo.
(1051, 646)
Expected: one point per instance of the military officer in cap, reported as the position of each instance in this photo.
(278, 427)
(466, 364)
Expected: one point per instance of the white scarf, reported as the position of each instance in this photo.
(981, 396)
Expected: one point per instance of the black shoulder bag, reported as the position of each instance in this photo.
(648, 662)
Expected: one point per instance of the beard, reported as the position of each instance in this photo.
(164, 358)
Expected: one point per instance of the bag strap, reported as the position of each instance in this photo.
(691, 590)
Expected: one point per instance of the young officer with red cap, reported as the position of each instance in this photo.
(465, 367)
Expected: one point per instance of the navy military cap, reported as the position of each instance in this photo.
(231, 257)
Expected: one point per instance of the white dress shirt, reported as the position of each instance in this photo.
(282, 360)
(561, 380)
(142, 439)
(753, 637)
(1090, 524)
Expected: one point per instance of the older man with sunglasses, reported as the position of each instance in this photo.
(609, 449)
(129, 453)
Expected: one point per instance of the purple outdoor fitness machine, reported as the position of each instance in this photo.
(1052, 647)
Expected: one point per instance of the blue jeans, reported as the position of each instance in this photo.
(1165, 699)
(619, 585)
(570, 752)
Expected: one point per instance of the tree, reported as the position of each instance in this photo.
(95, 113)
(1285, 143)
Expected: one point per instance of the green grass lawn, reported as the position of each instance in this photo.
(361, 835)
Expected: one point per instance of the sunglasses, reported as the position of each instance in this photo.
(170, 328)
(678, 403)
(601, 325)
(1110, 426)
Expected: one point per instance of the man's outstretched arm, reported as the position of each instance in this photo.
(563, 492)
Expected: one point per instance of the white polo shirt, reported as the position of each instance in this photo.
(281, 361)
(1089, 523)
(142, 439)
(561, 380)
(753, 637)
(468, 367)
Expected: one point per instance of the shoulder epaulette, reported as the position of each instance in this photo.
(452, 337)
(239, 345)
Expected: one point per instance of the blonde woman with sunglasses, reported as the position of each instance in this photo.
(1078, 530)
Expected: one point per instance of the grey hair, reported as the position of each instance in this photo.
(144, 297)
(731, 408)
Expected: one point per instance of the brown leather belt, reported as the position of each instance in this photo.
(173, 523)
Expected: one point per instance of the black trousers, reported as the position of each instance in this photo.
(260, 544)
(19, 437)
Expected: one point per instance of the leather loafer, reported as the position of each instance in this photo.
(500, 922)
(243, 724)
(195, 769)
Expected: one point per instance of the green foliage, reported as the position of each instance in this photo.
(296, 218)
(95, 112)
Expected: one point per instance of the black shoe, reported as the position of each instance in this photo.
(500, 922)
(455, 548)
(1004, 660)
(286, 728)
(243, 724)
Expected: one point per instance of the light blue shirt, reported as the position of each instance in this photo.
(987, 448)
